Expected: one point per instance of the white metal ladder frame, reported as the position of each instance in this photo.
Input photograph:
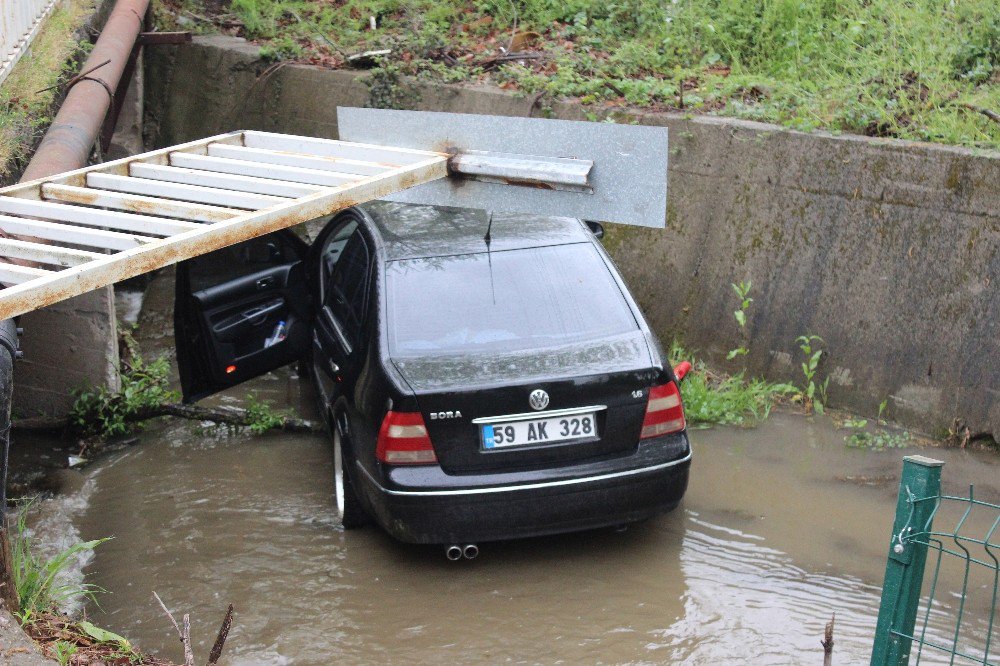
(106, 223)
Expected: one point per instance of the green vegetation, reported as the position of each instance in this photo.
(743, 292)
(880, 438)
(144, 387)
(39, 583)
(42, 591)
(64, 651)
(27, 95)
(710, 398)
(814, 393)
(261, 417)
(923, 69)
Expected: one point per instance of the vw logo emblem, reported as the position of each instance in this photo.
(538, 399)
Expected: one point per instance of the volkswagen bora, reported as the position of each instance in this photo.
(483, 377)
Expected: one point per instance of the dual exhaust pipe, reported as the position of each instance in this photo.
(455, 552)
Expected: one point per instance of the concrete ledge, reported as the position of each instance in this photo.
(889, 250)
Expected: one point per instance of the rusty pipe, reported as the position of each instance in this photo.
(69, 140)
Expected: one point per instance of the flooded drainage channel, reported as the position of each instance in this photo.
(781, 527)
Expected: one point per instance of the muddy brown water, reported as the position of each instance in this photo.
(781, 527)
(767, 544)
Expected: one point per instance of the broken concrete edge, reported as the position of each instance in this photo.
(888, 249)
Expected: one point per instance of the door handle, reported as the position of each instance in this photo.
(265, 282)
(334, 368)
(258, 313)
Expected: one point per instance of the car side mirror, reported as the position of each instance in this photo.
(596, 228)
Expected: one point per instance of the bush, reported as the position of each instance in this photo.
(105, 413)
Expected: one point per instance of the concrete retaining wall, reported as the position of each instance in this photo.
(888, 250)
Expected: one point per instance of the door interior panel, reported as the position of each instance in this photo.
(240, 317)
(240, 313)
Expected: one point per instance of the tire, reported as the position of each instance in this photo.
(349, 510)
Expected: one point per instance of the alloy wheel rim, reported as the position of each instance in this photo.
(338, 472)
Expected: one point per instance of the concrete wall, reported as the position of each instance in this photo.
(888, 250)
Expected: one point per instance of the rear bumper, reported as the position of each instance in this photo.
(480, 509)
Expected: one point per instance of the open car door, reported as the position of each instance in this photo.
(240, 312)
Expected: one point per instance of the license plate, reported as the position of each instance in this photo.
(539, 431)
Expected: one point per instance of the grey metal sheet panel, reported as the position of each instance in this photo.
(629, 176)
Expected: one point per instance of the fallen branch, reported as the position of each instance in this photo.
(233, 416)
(220, 640)
(989, 113)
(186, 639)
(225, 415)
(827, 642)
(185, 634)
(490, 63)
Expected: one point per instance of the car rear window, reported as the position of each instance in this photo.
(503, 301)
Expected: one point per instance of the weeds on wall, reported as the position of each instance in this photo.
(711, 398)
(813, 395)
(742, 290)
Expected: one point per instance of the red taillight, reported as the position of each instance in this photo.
(664, 411)
(403, 440)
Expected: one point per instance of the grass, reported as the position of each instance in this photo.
(922, 69)
(39, 582)
(25, 104)
(42, 592)
(711, 399)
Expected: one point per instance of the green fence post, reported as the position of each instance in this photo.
(904, 569)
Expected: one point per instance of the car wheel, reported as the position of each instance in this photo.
(349, 509)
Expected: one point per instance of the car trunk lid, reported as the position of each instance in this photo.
(459, 395)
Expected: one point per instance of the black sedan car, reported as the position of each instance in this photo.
(484, 377)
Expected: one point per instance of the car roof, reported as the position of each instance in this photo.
(409, 231)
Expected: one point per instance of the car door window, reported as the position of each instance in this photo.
(236, 261)
(331, 253)
(347, 294)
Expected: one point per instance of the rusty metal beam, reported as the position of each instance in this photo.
(35, 288)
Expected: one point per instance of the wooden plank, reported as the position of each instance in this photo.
(223, 181)
(182, 192)
(143, 224)
(14, 274)
(262, 170)
(71, 282)
(13, 248)
(136, 203)
(385, 155)
(297, 160)
(67, 233)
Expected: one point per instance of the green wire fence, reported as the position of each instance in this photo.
(969, 552)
